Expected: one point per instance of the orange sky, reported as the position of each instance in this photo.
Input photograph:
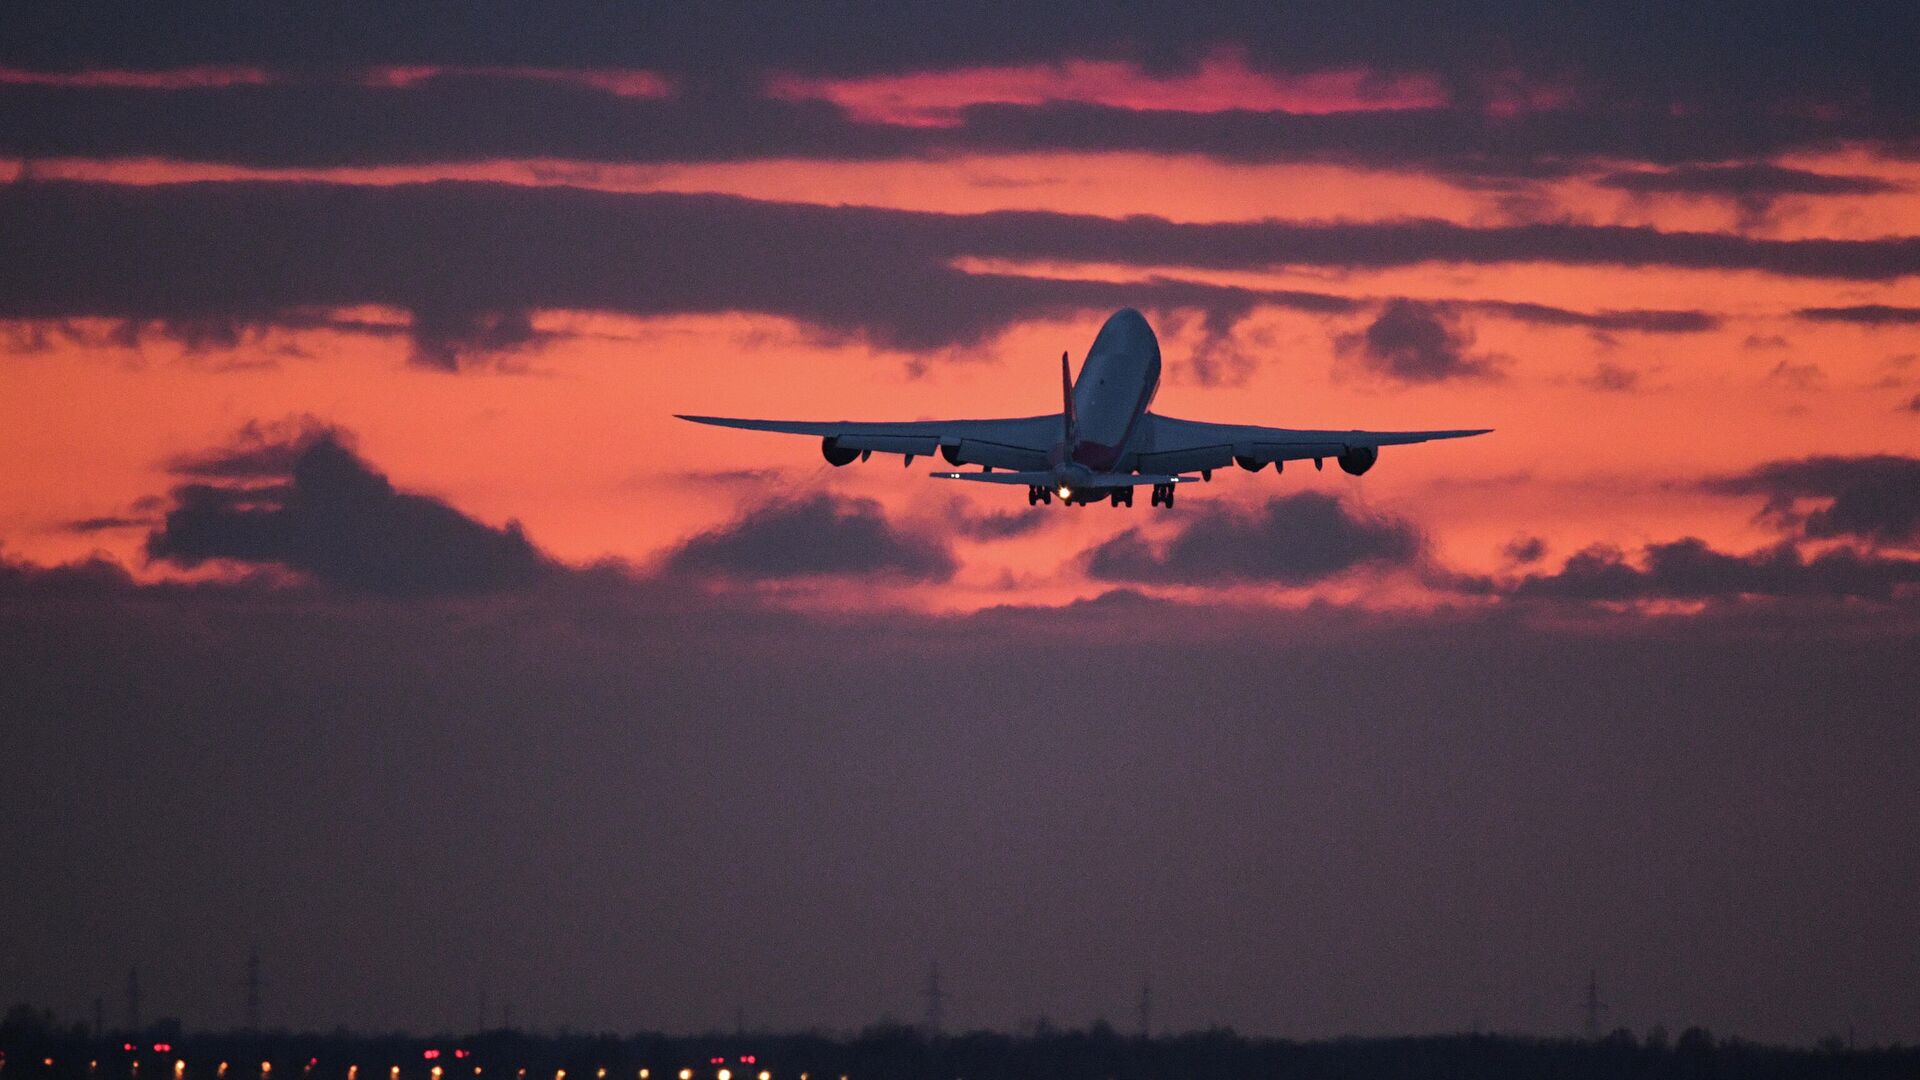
(575, 438)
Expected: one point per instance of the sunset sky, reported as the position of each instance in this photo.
(363, 600)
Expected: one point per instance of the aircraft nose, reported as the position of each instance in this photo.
(1124, 330)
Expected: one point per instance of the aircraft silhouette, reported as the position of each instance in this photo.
(1104, 442)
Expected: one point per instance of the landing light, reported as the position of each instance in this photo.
(1066, 493)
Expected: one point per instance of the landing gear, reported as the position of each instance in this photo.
(1037, 494)
(1123, 496)
(1163, 495)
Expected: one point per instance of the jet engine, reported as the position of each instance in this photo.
(836, 455)
(1250, 464)
(1358, 459)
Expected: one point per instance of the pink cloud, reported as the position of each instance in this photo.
(1221, 82)
(631, 83)
(182, 78)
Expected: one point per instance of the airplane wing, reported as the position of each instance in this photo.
(1176, 446)
(1018, 443)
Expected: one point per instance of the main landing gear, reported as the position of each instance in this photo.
(1122, 496)
(1037, 494)
(1163, 495)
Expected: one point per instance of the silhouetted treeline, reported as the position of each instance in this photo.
(37, 1048)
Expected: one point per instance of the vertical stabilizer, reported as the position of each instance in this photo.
(1071, 422)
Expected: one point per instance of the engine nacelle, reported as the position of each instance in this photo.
(1356, 460)
(1248, 463)
(835, 454)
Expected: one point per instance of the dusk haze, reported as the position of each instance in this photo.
(1531, 652)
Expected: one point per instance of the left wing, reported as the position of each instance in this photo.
(1176, 446)
(1018, 443)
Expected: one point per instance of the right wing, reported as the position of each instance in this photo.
(1187, 445)
(1019, 443)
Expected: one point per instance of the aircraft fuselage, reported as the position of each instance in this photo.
(1116, 386)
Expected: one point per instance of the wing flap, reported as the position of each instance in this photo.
(888, 444)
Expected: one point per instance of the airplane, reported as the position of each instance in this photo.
(1103, 443)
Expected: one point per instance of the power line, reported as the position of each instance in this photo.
(253, 990)
(936, 997)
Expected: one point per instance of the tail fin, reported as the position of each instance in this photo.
(1067, 417)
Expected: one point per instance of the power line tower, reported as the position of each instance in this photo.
(1146, 1010)
(936, 998)
(1593, 1005)
(133, 999)
(253, 990)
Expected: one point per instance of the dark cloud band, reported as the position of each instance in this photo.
(471, 260)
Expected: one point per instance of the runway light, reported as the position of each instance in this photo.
(163, 1048)
(600, 1073)
(723, 1074)
(266, 1068)
(643, 1074)
(223, 1069)
(179, 1068)
(436, 1072)
(686, 1074)
(394, 1072)
(353, 1072)
(765, 1075)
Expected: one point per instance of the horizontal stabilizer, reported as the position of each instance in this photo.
(1098, 481)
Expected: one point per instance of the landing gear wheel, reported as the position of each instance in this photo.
(1163, 495)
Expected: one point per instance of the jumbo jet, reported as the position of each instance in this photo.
(1104, 442)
